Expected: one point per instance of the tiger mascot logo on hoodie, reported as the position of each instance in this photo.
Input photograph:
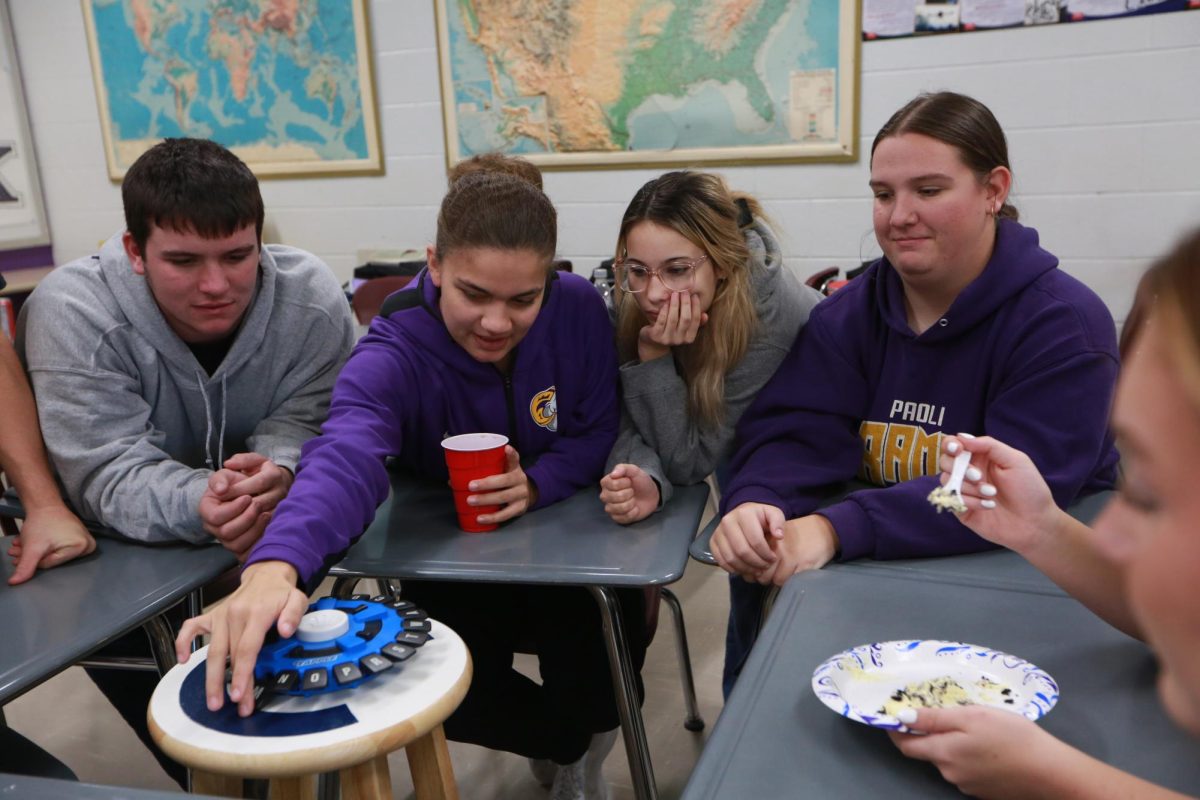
(544, 409)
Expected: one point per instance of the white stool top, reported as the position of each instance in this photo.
(304, 735)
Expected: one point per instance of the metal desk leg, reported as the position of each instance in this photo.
(693, 722)
(625, 688)
(162, 643)
(195, 607)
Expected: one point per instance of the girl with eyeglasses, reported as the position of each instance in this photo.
(965, 324)
(706, 312)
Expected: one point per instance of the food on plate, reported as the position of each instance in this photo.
(946, 691)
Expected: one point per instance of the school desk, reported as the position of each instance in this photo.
(776, 739)
(16, 786)
(415, 536)
(64, 614)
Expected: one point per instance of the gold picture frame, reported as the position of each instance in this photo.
(276, 88)
(635, 83)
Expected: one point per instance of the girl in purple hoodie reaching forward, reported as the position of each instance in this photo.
(965, 324)
(487, 338)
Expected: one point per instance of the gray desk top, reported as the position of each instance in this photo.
(21, 786)
(1085, 510)
(65, 613)
(415, 535)
(775, 739)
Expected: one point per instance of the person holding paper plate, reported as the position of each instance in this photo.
(965, 324)
(487, 339)
(1137, 569)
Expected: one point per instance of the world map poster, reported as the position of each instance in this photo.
(285, 85)
(569, 83)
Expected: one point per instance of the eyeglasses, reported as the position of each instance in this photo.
(676, 275)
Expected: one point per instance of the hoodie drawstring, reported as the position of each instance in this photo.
(208, 462)
(221, 439)
(208, 424)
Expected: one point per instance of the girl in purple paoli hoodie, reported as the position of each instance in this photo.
(965, 324)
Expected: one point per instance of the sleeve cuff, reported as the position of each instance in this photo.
(280, 552)
(853, 529)
(752, 494)
(644, 378)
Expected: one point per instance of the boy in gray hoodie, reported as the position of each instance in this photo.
(178, 371)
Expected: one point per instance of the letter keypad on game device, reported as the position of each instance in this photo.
(383, 631)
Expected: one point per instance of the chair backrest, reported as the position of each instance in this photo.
(368, 298)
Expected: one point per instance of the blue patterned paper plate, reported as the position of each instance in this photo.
(869, 682)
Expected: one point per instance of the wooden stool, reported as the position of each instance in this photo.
(295, 738)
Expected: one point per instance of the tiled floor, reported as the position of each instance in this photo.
(69, 717)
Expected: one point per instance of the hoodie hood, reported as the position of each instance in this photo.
(766, 262)
(1017, 261)
(132, 294)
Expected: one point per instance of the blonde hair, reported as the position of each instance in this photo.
(700, 207)
(1172, 287)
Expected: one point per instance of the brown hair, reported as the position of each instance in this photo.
(496, 162)
(700, 207)
(190, 185)
(1172, 287)
(496, 210)
(962, 122)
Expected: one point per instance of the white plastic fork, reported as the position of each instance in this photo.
(949, 497)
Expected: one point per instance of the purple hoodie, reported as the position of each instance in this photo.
(1026, 354)
(408, 385)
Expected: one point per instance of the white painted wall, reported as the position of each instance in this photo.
(1103, 120)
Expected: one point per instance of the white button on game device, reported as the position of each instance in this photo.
(323, 625)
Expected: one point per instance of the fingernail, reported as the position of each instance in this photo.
(974, 474)
(965, 436)
(212, 704)
(987, 503)
(472, 486)
(907, 715)
(987, 490)
(952, 448)
(470, 501)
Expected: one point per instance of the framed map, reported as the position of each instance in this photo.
(22, 215)
(621, 83)
(287, 86)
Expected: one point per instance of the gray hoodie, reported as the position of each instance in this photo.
(134, 425)
(657, 433)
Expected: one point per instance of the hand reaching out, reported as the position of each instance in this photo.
(238, 627)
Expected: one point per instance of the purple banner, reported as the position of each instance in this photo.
(26, 257)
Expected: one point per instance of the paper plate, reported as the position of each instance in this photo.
(870, 682)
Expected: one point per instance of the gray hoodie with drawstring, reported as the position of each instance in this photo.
(133, 423)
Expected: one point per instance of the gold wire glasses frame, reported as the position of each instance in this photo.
(676, 275)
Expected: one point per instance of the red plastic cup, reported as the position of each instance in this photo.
(469, 457)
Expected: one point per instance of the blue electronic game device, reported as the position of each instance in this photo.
(340, 644)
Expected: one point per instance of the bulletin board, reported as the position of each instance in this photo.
(891, 18)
